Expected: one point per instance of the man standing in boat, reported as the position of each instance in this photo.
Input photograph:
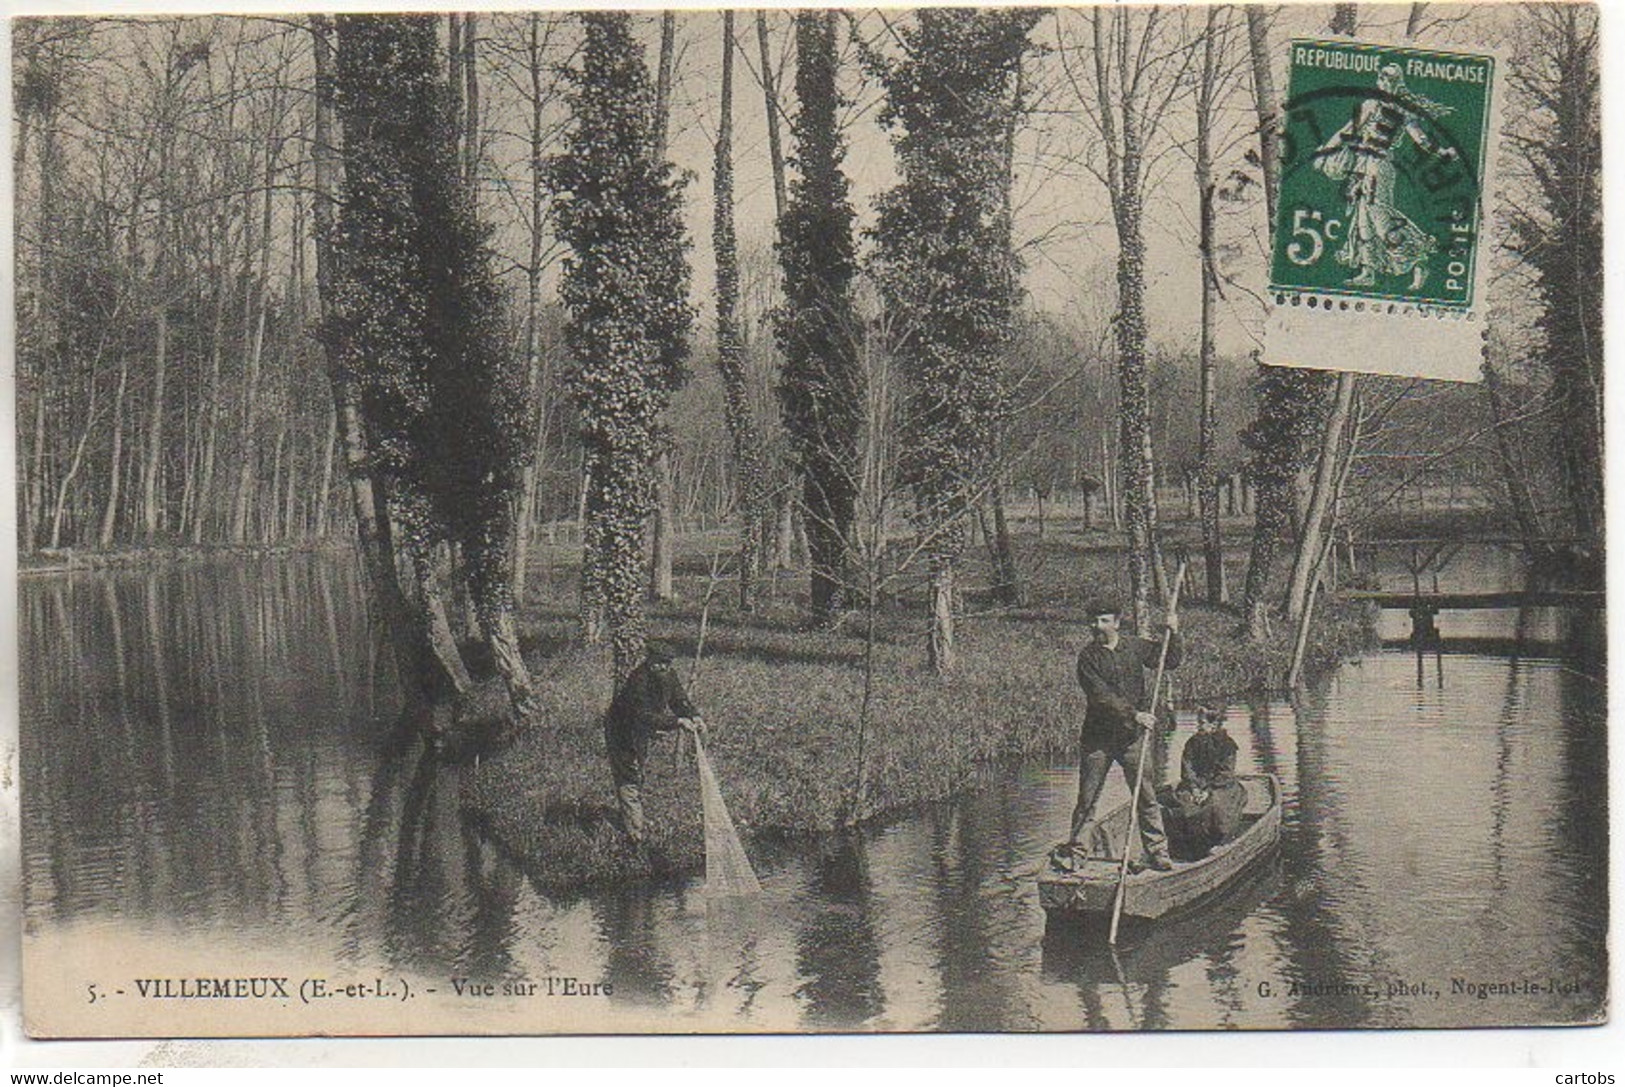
(1112, 672)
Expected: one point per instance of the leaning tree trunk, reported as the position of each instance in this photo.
(775, 146)
(1306, 559)
(1286, 397)
(1314, 527)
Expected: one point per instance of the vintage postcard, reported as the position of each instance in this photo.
(1075, 519)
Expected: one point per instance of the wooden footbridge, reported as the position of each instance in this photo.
(1424, 605)
(1471, 601)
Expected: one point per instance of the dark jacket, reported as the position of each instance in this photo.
(651, 700)
(1114, 681)
(1209, 760)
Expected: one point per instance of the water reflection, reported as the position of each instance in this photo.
(837, 952)
(212, 754)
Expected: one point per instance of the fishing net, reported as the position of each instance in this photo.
(727, 870)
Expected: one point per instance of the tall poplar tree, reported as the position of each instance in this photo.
(625, 289)
(1133, 66)
(818, 331)
(751, 480)
(944, 266)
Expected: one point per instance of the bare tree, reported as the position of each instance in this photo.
(1127, 71)
(1215, 81)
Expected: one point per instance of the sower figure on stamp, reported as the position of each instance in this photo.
(650, 700)
(1381, 239)
(1111, 671)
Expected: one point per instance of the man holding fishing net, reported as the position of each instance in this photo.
(650, 700)
(1112, 672)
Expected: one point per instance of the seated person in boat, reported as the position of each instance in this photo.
(1205, 808)
(1112, 672)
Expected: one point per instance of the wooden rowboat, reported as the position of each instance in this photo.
(1081, 880)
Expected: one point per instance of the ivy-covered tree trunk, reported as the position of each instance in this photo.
(1134, 391)
(1137, 60)
(372, 534)
(818, 330)
(749, 476)
(945, 268)
(412, 310)
(1560, 238)
(625, 290)
(1214, 44)
(1007, 586)
(663, 545)
(770, 99)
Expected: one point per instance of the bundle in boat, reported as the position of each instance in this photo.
(728, 873)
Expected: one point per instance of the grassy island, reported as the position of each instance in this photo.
(784, 704)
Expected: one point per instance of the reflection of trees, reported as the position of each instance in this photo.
(447, 899)
(734, 947)
(217, 713)
(977, 986)
(1139, 976)
(1314, 950)
(1265, 752)
(493, 887)
(837, 949)
(188, 702)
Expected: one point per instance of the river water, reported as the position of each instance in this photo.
(212, 785)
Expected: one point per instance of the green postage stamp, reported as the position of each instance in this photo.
(1380, 242)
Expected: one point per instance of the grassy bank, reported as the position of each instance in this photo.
(784, 708)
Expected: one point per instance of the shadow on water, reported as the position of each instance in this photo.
(1582, 818)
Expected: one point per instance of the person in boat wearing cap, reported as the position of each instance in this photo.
(651, 699)
(1111, 671)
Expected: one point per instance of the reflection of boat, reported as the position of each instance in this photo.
(1081, 880)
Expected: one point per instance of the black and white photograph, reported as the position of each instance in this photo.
(912, 520)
